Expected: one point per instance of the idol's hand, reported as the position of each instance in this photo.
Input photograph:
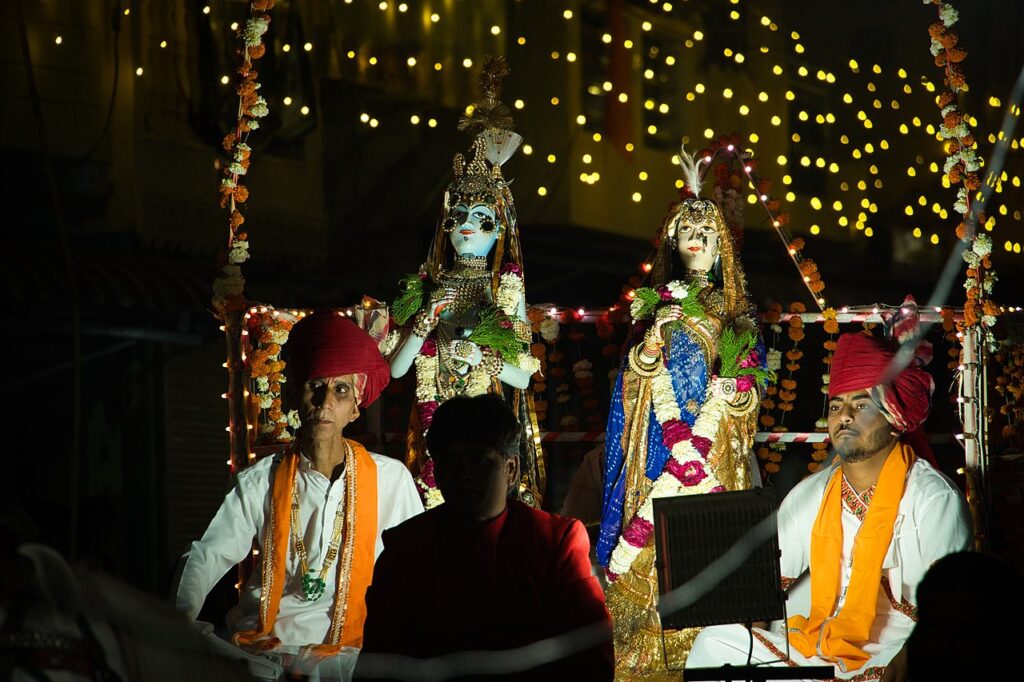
(439, 300)
(466, 351)
(670, 313)
(725, 388)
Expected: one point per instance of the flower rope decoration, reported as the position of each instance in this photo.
(1010, 387)
(786, 390)
(771, 317)
(266, 372)
(819, 451)
(538, 349)
(688, 468)
(961, 168)
(229, 285)
(685, 469)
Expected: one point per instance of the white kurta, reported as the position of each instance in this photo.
(241, 518)
(932, 521)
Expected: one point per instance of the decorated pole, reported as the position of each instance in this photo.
(971, 397)
(229, 300)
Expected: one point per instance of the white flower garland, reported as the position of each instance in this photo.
(683, 452)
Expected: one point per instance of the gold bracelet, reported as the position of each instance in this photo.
(492, 364)
(653, 338)
(642, 368)
(522, 330)
(423, 325)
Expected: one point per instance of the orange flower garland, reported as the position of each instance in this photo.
(1010, 387)
(961, 168)
(771, 317)
(270, 330)
(819, 451)
(229, 286)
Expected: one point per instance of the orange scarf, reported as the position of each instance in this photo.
(839, 638)
(349, 612)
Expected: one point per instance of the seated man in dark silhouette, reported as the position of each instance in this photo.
(483, 572)
(965, 605)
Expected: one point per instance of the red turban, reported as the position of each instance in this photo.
(325, 344)
(860, 362)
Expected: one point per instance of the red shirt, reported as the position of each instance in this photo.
(443, 586)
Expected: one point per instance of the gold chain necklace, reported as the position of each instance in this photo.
(314, 585)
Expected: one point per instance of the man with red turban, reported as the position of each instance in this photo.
(862, 531)
(316, 513)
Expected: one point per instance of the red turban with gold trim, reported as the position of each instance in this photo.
(326, 344)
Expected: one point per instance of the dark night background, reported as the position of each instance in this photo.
(115, 254)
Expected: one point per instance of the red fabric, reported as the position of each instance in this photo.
(442, 586)
(325, 344)
(860, 361)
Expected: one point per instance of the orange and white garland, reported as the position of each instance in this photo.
(961, 168)
(229, 285)
(266, 371)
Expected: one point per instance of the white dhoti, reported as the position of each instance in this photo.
(728, 645)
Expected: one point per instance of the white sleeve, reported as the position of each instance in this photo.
(406, 502)
(227, 541)
(794, 559)
(944, 526)
(397, 497)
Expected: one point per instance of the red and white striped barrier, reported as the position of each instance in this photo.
(759, 437)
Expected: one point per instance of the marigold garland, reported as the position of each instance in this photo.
(819, 451)
(961, 168)
(1010, 387)
(785, 392)
(267, 331)
(229, 285)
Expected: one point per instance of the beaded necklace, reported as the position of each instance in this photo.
(314, 583)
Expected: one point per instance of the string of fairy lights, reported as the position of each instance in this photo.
(856, 121)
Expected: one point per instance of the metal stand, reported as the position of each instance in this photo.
(758, 673)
